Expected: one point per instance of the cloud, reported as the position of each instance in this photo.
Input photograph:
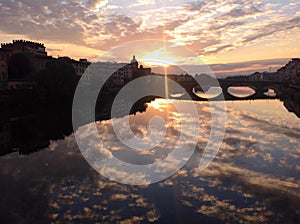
(53, 21)
(196, 6)
(240, 12)
(239, 68)
(271, 29)
(207, 27)
(218, 48)
(227, 25)
(248, 67)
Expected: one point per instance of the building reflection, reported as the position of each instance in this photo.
(33, 131)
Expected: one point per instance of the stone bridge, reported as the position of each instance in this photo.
(260, 87)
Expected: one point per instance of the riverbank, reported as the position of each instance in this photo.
(291, 98)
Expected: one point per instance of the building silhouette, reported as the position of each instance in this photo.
(128, 72)
(23, 59)
(290, 72)
(3, 65)
(79, 66)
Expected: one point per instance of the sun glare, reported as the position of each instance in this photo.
(159, 57)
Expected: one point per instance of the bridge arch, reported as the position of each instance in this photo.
(242, 84)
(240, 91)
(212, 93)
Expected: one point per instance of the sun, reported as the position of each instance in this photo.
(160, 57)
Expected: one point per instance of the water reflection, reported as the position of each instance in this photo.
(254, 178)
(211, 93)
(270, 93)
(241, 91)
(177, 95)
(32, 131)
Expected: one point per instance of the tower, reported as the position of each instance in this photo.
(134, 63)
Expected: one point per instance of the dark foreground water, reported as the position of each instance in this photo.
(254, 178)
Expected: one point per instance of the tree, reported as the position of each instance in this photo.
(57, 81)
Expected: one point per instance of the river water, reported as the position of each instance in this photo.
(254, 177)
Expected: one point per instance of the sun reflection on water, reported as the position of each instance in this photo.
(159, 104)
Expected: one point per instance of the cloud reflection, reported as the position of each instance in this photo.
(255, 177)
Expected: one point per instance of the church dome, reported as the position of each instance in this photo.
(133, 60)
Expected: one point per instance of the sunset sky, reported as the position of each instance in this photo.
(228, 34)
